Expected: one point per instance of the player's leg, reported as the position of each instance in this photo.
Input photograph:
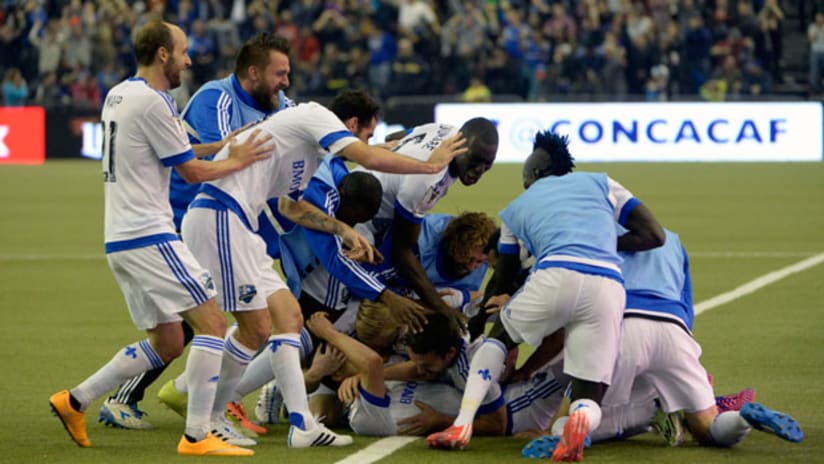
(121, 409)
(157, 282)
(284, 355)
(596, 306)
(202, 368)
(523, 316)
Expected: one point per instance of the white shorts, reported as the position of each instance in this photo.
(589, 307)
(160, 281)
(531, 405)
(371, 416)
(666, 357)
(619, 421)
(235, 256)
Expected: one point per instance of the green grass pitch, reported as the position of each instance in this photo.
(63, 315)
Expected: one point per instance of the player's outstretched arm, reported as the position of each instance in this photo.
(306, 214)
(365, 360)
(383, 160)
(644, 233)
(255, 148)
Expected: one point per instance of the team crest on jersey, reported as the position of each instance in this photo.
(206, 281)
(246, 293)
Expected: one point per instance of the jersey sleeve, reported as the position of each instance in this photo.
(329, 248)
(207, 116)
(326, 129)
(508, 243)
(164, 131)
(622, 200)
(417, 195)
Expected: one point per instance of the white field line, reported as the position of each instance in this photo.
(378, 450)
(697, 254)
(758, 283)
(383, 448)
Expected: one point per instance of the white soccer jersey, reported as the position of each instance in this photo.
(301, 137)
(142, 138)
(412, 195)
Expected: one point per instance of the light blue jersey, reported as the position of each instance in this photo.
(569, 222)
(432, 258)
(658, 283)
(214, 111)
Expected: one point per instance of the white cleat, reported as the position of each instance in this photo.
(227, 431)
(319, 436)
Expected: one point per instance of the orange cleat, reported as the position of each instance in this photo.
(210, 446)
(74, 421)
(571, 446)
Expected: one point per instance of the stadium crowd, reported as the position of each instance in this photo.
(60, 52)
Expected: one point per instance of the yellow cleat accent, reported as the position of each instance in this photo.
(74, 421)
(210, 446)
(173, 399)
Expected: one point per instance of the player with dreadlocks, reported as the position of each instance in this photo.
(574, 297)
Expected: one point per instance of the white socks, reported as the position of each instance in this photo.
(484, 369)
(729, 428)
(284, 356)
(202, 374)
(132, 360)
(236, 357)
(258, 373)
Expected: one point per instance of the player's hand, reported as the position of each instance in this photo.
(251, 150)
(494, 304)
(457, 320)
(405, 311)
(320, 325)
(348, 390)
(426, 420)
(448, 149)
(327, 361)
(357, 247)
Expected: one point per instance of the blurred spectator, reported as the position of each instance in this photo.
(382, 52)
(410, 72)
(49, 93)
(714, 90)
(658, 83)
(697, 43)
(78, 47)
(203, 51)
(417, 19)
(730, 73)
(49, 44)
(477, 92)
(107, 77)
(815, 34)
(11, 34)
(84, 91)
(771, 19)
(15, 89)
(613, 73)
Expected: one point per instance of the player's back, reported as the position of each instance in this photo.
(570, 215)
(143, 138)
(658, 281)
(301, 137)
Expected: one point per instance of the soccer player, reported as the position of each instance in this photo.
(658, 353)
(218, 109)
(440, 353)
(407, 198)
(160, 279)
(220, 225)
(573, 299)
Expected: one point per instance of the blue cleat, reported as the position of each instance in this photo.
(765, 419)
(543, 447)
